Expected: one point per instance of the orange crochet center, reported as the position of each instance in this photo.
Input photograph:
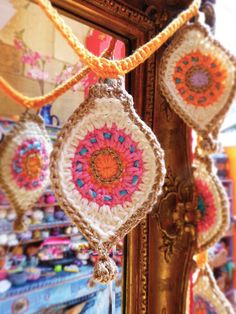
(106, 165)
(33, 165)
(199, 79)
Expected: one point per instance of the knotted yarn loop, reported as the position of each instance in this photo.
(105, 270)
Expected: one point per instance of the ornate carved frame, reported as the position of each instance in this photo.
(159, 251)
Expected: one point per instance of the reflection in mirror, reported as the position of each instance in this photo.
(50, 260)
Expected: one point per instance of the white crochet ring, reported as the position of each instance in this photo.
(213, 207)
(198, 78)
(107, 167)
(207, 297)
(24, 164)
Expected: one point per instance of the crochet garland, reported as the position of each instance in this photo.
(24, 164)
(102, 167)
(112, 68)
(107, 169)
(198, 79)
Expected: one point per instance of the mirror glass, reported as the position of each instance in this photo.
(51, 261)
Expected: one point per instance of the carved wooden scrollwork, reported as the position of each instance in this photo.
(176, 214)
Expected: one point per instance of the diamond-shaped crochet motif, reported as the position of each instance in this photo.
(198, 78)
(24, 162)
(107, 166)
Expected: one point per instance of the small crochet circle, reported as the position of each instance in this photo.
(206, 206)
(30, 163)
(199, 78)
(107, 166)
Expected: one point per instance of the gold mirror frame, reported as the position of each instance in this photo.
(158, 252)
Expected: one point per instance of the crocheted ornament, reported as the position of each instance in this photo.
(107, 169)
(198, 78)
(212, 206)
(24, 164)
(208, 298)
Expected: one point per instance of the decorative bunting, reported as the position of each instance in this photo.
(198, 78)
(24, 164)
(107, 169)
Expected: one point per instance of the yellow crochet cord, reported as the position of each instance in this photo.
(38, 102)
(112, 68)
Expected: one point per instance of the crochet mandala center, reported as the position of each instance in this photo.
(29, 165)
(107, 167)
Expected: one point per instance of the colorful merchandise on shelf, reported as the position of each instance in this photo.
(5, 285)
(83, 256)
(12, 239)
(221, 163)
(37, 216)
(3, 239)
(49, 293)
(17, 278)
(54, 249)
(71, 268)
(33, 273)
(50, 199)
(11, 215)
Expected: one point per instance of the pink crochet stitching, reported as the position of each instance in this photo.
(30, 164)
(206, 206)
(107, 167)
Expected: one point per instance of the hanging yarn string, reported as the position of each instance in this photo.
(112, 68)
(38, 102)
(100, 65)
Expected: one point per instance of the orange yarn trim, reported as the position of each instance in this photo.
(201, 259)
(38, 102)
(110, 68)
